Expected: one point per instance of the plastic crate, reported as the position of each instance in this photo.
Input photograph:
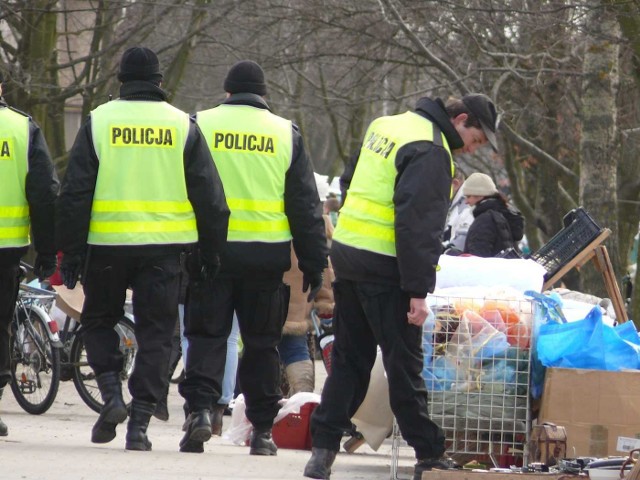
(293, 431)
(578, 232)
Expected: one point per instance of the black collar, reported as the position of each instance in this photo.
(247, 99)
(142, 90)
(434, 110)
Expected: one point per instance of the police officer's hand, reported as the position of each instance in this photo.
(203, 264)
(45, 265)
(70, 269)
(313, 283)
(210, 268)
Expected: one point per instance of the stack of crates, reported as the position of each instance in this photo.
(477, 371)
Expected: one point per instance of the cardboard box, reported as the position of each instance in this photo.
(596, 407)
(467, 475)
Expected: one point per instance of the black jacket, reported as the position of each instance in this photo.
(41, 188)
(421, 199)
(495, 227)
(303, 210)
(204, 188)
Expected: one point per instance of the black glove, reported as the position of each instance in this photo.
(45, 265)
(203, 265)
(313, 280)
(210, 268)
(70, 269)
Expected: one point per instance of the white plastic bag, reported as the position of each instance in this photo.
(241, 426)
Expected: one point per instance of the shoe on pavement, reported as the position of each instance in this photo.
(319, 465)
(438, 463)
(262, 444)
(198, 431)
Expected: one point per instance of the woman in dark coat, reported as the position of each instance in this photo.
(496, 225)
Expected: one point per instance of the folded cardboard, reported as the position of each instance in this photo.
(467, 475)
(595, 407)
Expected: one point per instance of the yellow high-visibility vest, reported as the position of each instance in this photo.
(367, 217)
(252, 150)
(141, 195)
(14, 163)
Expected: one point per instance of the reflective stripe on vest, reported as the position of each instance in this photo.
(14, 164)
(367, 218)
(141, 194)
(252, 150)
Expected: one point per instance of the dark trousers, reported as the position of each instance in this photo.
(9, 281)
(367, 315)
(261, 306)
(155, 284)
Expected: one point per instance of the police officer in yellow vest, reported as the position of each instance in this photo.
(385, 251)
(140, 188)
(29, 186)
(271, 191)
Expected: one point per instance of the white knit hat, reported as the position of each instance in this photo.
(479, 184)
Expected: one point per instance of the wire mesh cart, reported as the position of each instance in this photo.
(477, 371)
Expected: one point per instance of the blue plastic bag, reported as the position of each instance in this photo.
(587, 343)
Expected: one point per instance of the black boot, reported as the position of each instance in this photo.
(162, 409)
(114, 410)
(319, 465)
(141, 412)
(442, 462)
(198, 431)
(261, 443)
(4, 431)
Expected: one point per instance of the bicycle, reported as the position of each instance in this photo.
(74, 364)
(35, 357)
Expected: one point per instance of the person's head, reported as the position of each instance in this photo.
(245, 76)
(141, 64)
(477, 187)
(475, 119)
(332, 204)
(458, 178)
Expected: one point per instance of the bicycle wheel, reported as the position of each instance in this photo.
(83, 377)
(35, 363)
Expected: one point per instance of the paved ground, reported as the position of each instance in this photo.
(56, 446)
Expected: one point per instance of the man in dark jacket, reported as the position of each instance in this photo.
(27, 199)
(140, 188)
(271, 190)
(385, 251)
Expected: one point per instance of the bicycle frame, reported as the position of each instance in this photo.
(29, 299)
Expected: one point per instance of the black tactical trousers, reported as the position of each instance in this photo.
(155, 284)
(261, 306)
(367, 315)
(9, 281)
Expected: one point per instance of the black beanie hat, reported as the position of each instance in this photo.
(139, 63)
(245, 77)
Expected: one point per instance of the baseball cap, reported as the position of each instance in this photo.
(485, 111)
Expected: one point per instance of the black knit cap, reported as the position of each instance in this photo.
(245, 77)
(139, 63)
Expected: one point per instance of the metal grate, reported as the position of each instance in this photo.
(476, 369)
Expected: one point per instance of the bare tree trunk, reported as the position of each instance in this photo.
(598, 146)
